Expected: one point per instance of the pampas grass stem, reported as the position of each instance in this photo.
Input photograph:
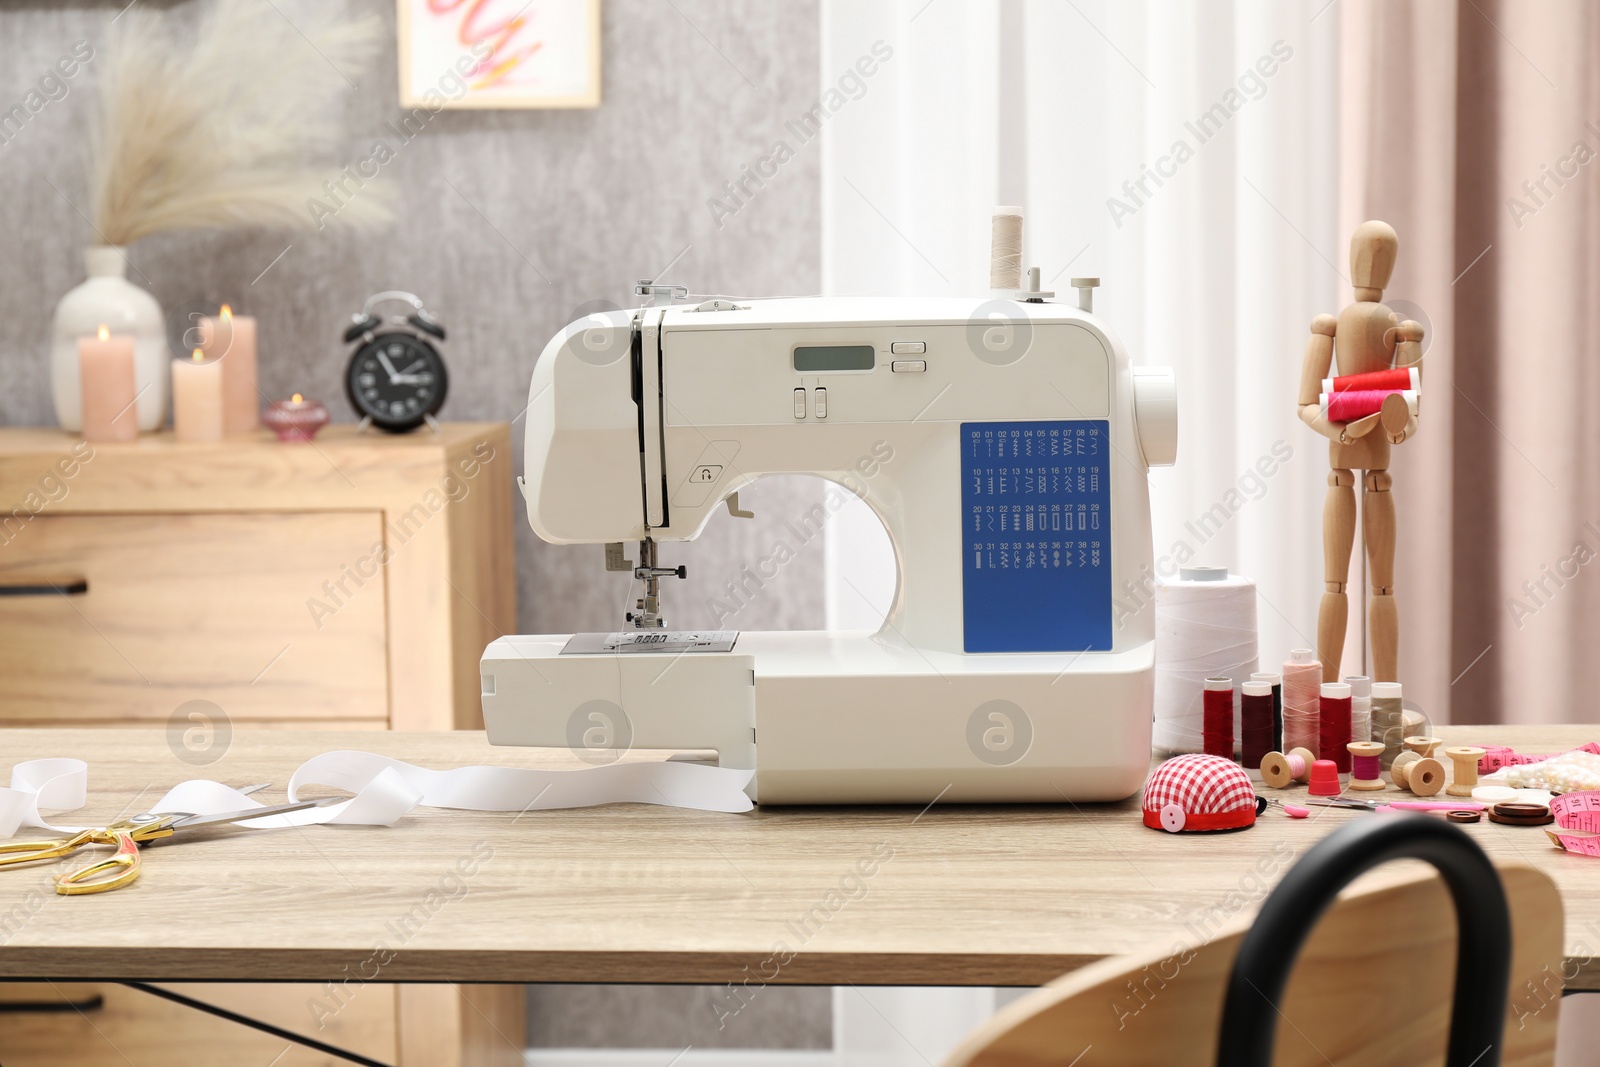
(224, 129)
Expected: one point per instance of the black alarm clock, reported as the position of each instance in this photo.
(396, 379)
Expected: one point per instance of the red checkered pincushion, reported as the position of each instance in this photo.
(1199, 792)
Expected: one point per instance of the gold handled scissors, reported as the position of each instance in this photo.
(122, 867)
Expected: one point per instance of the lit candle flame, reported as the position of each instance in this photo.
(199, 356)
(297, 399)
(104, 333)
(227, 312)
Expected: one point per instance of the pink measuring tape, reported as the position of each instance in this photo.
(1578, 816)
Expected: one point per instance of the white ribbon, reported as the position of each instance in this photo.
(57, 784)
(386, 789)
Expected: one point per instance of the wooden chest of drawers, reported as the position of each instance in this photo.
(351, 582)
(354, 580)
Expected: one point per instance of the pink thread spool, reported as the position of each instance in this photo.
(1280, 769)
(1366, 764)
(1301, 676)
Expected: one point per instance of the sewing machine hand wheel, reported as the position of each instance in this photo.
(1268, 951)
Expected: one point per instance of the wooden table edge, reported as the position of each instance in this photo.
(503, 966)
(619, 968)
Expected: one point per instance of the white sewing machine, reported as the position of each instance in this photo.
(1003, 443)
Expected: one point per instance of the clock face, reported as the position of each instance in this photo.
(396, 380)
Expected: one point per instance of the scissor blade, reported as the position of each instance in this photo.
(255, 813)
(1343, 802)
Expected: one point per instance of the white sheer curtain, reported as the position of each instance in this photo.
(1186, 154)
(1217, 271)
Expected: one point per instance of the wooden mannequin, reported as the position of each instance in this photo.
(1366, 336)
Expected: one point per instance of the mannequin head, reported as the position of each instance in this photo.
(1373, 248)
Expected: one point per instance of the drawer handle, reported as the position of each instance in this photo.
(93, 1002)
(39, 586)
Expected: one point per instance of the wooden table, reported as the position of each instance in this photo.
(949, 895)
(347, 584)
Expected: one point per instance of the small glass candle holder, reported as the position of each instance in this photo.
(295, 419)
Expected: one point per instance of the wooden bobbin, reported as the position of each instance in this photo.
(1423, 746)
(1275, 769)
(1365, 748)
(1465, 759)
(1411, 722)
(1423, 775)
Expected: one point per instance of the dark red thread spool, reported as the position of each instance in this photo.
(1333, 724)
(1255, 714)
(1276, 681)
(1216, 726)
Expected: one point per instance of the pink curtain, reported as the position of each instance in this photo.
(1473, 126)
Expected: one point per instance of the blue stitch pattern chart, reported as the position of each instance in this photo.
(1036, 536)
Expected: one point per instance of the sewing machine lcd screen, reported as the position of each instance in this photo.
(1036, 536)
(820, 359)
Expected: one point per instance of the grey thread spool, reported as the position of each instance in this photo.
(1388, 720)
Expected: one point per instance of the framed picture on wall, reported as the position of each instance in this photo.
(499, 53)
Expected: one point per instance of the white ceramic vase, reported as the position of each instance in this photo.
(108, 299)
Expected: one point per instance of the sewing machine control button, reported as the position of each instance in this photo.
(909, 366)
(822, 403)
(908, 348)
(799, 403)
(696, 487)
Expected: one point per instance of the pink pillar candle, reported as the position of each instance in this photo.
(107, 386)
(231, 340)
(197, 398)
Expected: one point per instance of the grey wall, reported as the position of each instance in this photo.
(555, 209)
(673, 1017)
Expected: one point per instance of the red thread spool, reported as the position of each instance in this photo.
(1216, 726)
(1324, 779)
(1255, 715)
(1333, 715)
(1391, 379)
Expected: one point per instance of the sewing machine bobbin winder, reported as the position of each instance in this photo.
(1003, 443)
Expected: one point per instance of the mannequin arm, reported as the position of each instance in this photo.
(1319, 358)
(1407, 341)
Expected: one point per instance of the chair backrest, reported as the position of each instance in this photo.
(1372, 986)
